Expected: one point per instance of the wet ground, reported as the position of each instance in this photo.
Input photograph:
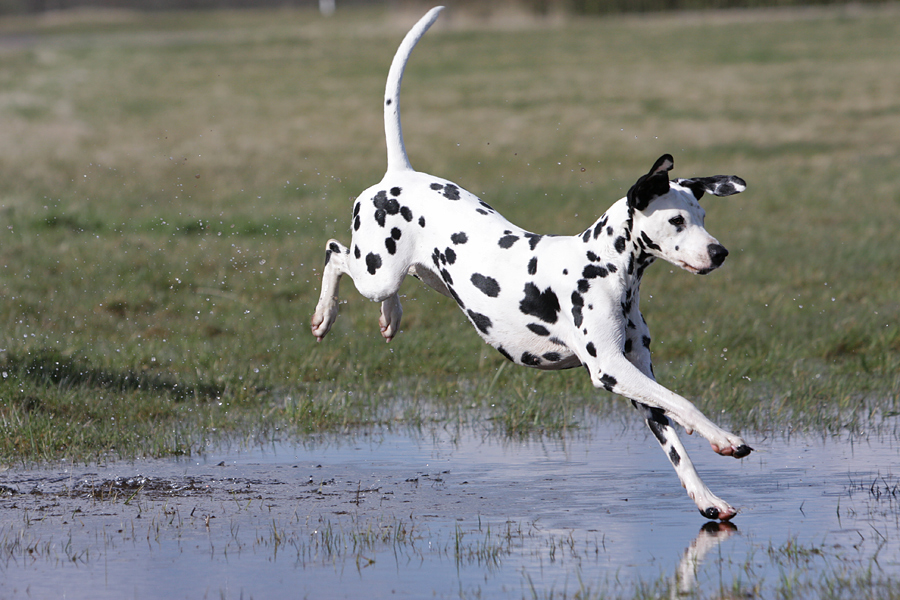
(451, 514)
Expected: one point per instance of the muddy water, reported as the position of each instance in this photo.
(449, 514)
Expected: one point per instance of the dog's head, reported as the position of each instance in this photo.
(668, 219)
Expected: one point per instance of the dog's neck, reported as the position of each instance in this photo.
(613, 240)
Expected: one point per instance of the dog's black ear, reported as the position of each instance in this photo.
(717, 185)
(652, 185)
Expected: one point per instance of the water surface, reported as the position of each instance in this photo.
(448, 513)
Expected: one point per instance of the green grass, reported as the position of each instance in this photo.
(168, 182)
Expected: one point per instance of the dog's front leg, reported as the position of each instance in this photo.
(616, 374)
(637, 351)
(709, 505)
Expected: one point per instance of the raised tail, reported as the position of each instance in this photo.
(397, 160)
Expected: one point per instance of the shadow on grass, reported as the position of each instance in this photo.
(53, 367)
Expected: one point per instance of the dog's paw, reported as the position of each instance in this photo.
(389, 321)
(711, 506)
(316, 325)
(712, 513)
(322, 320)
(738, 450)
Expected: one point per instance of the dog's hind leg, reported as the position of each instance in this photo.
(336, 256)
(372, 281)
(709, 505)
(391, 312)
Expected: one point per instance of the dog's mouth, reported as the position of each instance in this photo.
(697, 270)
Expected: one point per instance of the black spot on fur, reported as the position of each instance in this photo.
(356, 252)
(384, 206)
(538, 329)
(577, 306)
(551, 356)
(674, 456)
(482, 212)
(608, 382)
(395, 191)
(388, 102)
(533, 239)
(507, 240)
(620, 244)
(592, 257)
(445, 275)
(487, 285)
(532, 265)
(482, 322)
(648, 241)
(611, 267)
(543, 305)
(421, 221)
(609, 231)
(586, 236)
(436, 186)
(485, 205)
(530, 359)
(627, 345)
(373, 262)
(356, 223)
(592, 271)
(657, 428)
(646, 342)
(591, 349)
(451, 192)
(391, 245)
(459, 238)
(407, 214)
(450, 255)
(396, 233)
(456, 296)
(505, 353)
(334, 247)
(583, 285)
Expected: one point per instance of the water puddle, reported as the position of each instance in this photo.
(453, 514)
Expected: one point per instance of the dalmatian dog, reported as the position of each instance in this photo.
(549, 302)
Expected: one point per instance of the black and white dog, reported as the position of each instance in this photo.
(550, 302)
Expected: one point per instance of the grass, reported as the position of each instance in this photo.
(168, 182)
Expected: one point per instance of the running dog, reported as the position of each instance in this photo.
(549, 302)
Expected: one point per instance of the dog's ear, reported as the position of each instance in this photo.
(652, 185)
(717, 185)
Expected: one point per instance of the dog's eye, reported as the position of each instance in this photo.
(677, 221)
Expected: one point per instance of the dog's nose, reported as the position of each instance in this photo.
(717, 254)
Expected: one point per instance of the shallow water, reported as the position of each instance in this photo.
(450, 514)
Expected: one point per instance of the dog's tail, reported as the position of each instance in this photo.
(397, 160)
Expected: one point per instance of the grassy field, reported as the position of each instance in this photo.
(168, 182)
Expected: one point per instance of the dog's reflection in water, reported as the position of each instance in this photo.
(711, 535)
